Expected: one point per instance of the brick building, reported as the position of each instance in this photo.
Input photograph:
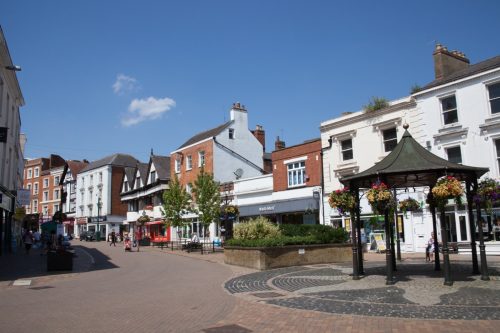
(291, 195)
(41, 178)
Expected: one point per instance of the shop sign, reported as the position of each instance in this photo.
(95, 219)
(23, 197)
(266, 208)
(302, 251)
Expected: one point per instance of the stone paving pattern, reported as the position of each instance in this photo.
(419, 291)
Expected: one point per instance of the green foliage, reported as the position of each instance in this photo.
(415, 89)
(176, 203)
(375, 104)
(207, 196)
(257, 228)
(261, 233)
(323, 233)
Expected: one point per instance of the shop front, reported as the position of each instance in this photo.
(156, 229)
(294, 211)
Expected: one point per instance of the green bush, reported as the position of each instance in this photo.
(294, 235)
(257, 228)
(375, 104)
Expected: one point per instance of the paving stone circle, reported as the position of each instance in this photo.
(419, 292)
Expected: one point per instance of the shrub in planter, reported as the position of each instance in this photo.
(257, 228)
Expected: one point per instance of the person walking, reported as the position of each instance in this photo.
(113, 239)
(28, 240)
(38, 237)
(430, 248)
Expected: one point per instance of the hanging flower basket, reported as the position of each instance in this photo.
(409, 205)
(231, 210)
(143, 219)
(447, 188)
(488, 194)
(379, 197)
(342, 200)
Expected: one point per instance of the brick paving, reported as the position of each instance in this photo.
(163, 291)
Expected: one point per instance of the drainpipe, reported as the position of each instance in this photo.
(321, 207)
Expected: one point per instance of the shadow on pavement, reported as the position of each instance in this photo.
(19, 265)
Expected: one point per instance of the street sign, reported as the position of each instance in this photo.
(23, 197)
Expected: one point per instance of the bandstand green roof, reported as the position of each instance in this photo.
(411, 165)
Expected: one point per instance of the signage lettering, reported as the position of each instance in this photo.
(266, 208)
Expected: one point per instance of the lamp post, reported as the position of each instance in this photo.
(98, 232)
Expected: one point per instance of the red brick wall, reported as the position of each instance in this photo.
(117, 207)
(189, 176)
(313, 164)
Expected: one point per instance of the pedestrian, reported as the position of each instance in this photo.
(113, 239)
(37, 236)
(28, 240)
(430, 249)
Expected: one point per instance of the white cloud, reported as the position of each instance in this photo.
(150, 108)
(124, 84)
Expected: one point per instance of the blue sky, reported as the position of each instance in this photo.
(101, 77)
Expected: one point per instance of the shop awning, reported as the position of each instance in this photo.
(154, 222)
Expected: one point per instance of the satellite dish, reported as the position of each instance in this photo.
(238, 173)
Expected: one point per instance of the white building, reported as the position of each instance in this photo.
(69, 186)
(457, 117)
(11, 156)
(98, 204)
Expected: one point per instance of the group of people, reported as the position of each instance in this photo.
(45, 241)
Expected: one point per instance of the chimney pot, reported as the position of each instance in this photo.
(448, 62)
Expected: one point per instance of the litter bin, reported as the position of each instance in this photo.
(98, 236)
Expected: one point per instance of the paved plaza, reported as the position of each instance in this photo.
(158, 290)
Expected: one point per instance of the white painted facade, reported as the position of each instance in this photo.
(477, 128)
(11, 155)
(92, 185)
(244, 143)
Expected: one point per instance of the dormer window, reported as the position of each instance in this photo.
(125, 186)
(153, 176)
(138, 182)
(231, 133)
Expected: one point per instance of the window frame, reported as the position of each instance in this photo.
(58, 178)
(152, 176)
(177, 165)
(490, 99)
(231, 133)
(497, 151)
(29, 173)
(45, 183)
(189, 162)
(296, 175)
(36, 188)
(385, 141)
(36, 172)
(447, 149)
(443, 111)
(201, 159)
(342, 150)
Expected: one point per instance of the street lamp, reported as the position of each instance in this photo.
(13, 68)
(98, 232)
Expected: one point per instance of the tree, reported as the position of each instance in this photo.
(207, 196)
(176, 203)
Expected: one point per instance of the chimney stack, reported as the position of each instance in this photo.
(260, 135)
(447, 63)
(278, 144)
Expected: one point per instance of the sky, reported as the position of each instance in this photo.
(121, 76)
